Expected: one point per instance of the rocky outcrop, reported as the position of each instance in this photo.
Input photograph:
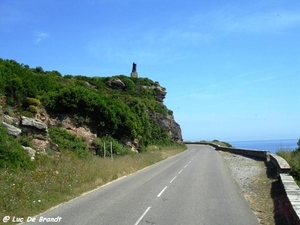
(168, 123)
(11, 120)
(12, 129)
(33, 126)
(29, 126)
(133, 144)
(82, 132)
(116, 83)
(160, 92)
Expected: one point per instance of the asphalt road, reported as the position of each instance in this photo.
(194, 187)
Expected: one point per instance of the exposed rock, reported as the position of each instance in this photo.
(90, 86)
(43, 116)
(168, 123)
(82, 132)
(11, 120)
(33, 125)
(40, 144)
(134, 145)
(116, 83)
(12, 129)
(160, 92)
(31, 152)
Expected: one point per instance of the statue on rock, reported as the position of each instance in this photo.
(134, 72)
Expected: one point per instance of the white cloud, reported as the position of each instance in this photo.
(40, 36)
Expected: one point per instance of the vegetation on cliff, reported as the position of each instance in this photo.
(117, 110)
(293, 159)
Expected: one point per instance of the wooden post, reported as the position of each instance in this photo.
(111, 152)
(104, 151)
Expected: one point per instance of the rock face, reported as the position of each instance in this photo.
(82, 132)
(168, 123)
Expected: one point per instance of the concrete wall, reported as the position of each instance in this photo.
(262, 155)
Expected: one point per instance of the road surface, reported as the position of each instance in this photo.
(194, 187)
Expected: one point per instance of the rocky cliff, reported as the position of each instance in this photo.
(168, 123)
(127, 109)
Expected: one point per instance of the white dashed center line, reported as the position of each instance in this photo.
(162, 191)
(173, 179)
(142, 216)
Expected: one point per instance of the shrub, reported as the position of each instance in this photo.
(27, 114)
(32, 109)
(117, 147)
(68, 142)
(298, 143)
(12, 155)
(33, 101)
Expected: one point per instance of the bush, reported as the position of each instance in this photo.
(32, 109)
(27, 114)
(298, 143)
(117, 147)
(293, 159)
(12, 155)
(33, 101)
(68, 142)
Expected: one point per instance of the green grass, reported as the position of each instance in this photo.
(293, 159)
(58, 179)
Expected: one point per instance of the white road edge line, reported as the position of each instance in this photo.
(180, 171)
(173, 179)
(142, 216)
(162, 191)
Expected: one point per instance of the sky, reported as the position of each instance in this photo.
(231, 68)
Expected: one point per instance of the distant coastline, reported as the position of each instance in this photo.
(270, 145)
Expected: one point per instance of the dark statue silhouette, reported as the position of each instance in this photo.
(133, 67)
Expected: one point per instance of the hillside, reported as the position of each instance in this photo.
(49, 112)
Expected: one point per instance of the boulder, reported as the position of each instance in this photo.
(12, 129)
(34, 125)
(116, 83)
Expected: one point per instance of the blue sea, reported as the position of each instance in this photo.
(270, 145)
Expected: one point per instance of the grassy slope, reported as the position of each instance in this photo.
(27, 193)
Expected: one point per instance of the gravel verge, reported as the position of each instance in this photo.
(244, 170)
(260, 186)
